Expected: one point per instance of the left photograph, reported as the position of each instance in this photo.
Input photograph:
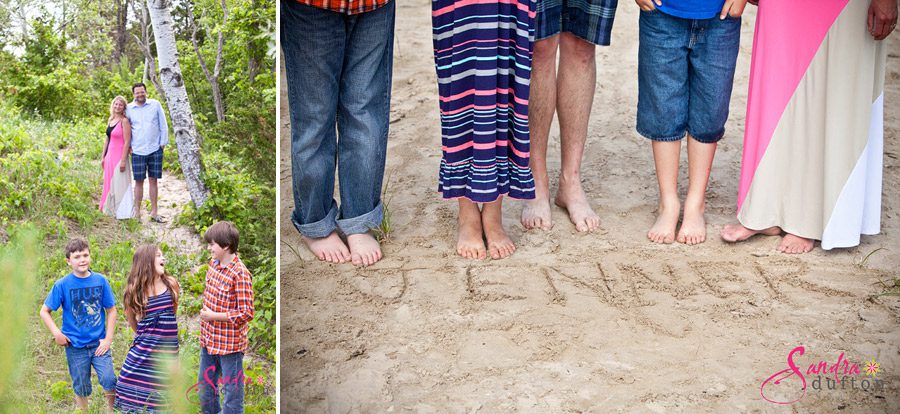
(137, 206)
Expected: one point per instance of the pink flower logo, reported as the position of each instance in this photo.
(872, 368)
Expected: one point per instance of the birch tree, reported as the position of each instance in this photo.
(186, 137)
(212, 78)
(145, 45)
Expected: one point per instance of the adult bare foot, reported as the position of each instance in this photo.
(364, 249)
(536, 214)
(469, 242)
(792, 244)
(499, 244)
(328, 249)
(571, 197)
(736, 232)
(663, 231)
(693, 225)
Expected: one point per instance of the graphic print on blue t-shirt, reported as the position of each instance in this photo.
(86, 306)
(84, 301)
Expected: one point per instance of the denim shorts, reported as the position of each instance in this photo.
(685, 76)
(81, 360)
(144, 165)
(591, 20)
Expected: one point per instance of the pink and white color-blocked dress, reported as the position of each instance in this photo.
(117, 198)
(813, 145)
(482, 52)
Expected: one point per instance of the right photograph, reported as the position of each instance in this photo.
(546, 206)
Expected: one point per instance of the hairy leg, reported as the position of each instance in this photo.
(541, 107)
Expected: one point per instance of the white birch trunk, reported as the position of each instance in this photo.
(186, 137)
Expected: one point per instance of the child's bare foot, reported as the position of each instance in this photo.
(328, 249)
(469, 243)
(499, 244)
(364, 249)
(536, 214)
(736, 232)
(81, 403)
(792, 244)
(693, 225)
(571, 197)
(663, 231)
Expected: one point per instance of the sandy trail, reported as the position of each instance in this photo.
(581, 323)
(173, 196)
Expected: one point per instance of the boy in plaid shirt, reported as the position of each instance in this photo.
(227, 311)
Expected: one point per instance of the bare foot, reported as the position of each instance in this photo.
(536, 214)
(499, 244)
(571, 197)
(792, 244)
(663, 231)
(693, 225)
(364, 249)
(736, 232)
(469, 242)
(328, 249)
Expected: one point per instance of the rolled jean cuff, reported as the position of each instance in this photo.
(321, 228)
(363, 223)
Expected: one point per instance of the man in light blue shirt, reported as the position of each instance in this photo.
(149, 134)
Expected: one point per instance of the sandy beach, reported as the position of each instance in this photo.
(600, 322)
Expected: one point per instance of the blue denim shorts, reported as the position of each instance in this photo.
(591, 20)
(144, 165)
(685, 76)
(81, 360)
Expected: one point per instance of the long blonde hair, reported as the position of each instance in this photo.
(112, 110)
(141, 280)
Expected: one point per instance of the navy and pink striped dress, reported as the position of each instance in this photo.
(142, 381)
(482, 52)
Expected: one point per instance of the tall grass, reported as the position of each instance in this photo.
(18, 264)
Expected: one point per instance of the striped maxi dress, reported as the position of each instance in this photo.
(142, 382)
(482, 52)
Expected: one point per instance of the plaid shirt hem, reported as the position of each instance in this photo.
(346, 6)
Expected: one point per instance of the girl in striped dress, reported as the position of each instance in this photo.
(151, 302)
(482, 52)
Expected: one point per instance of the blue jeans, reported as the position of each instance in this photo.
(685, 76)
(338, 70)
(229, 369)
(80, 361)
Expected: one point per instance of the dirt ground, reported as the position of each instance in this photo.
(603, 322)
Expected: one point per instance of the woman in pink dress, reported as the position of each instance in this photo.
(813, 144)
(117, 199)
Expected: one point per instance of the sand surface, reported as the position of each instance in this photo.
(603, 322)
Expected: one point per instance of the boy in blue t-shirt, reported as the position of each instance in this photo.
(88, 323)
(686, 60)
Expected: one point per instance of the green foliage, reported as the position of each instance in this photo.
(61, 391)
(18, 262)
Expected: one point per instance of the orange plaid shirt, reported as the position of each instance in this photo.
(346, 6)
(229, 289)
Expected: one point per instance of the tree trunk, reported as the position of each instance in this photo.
(186, 137)
(144, 43)
(212, 78)
(254, 60)
(121, 32)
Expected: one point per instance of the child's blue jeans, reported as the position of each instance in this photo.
(80, 361)
(338, 70)
(227, 369)
(685, 75)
